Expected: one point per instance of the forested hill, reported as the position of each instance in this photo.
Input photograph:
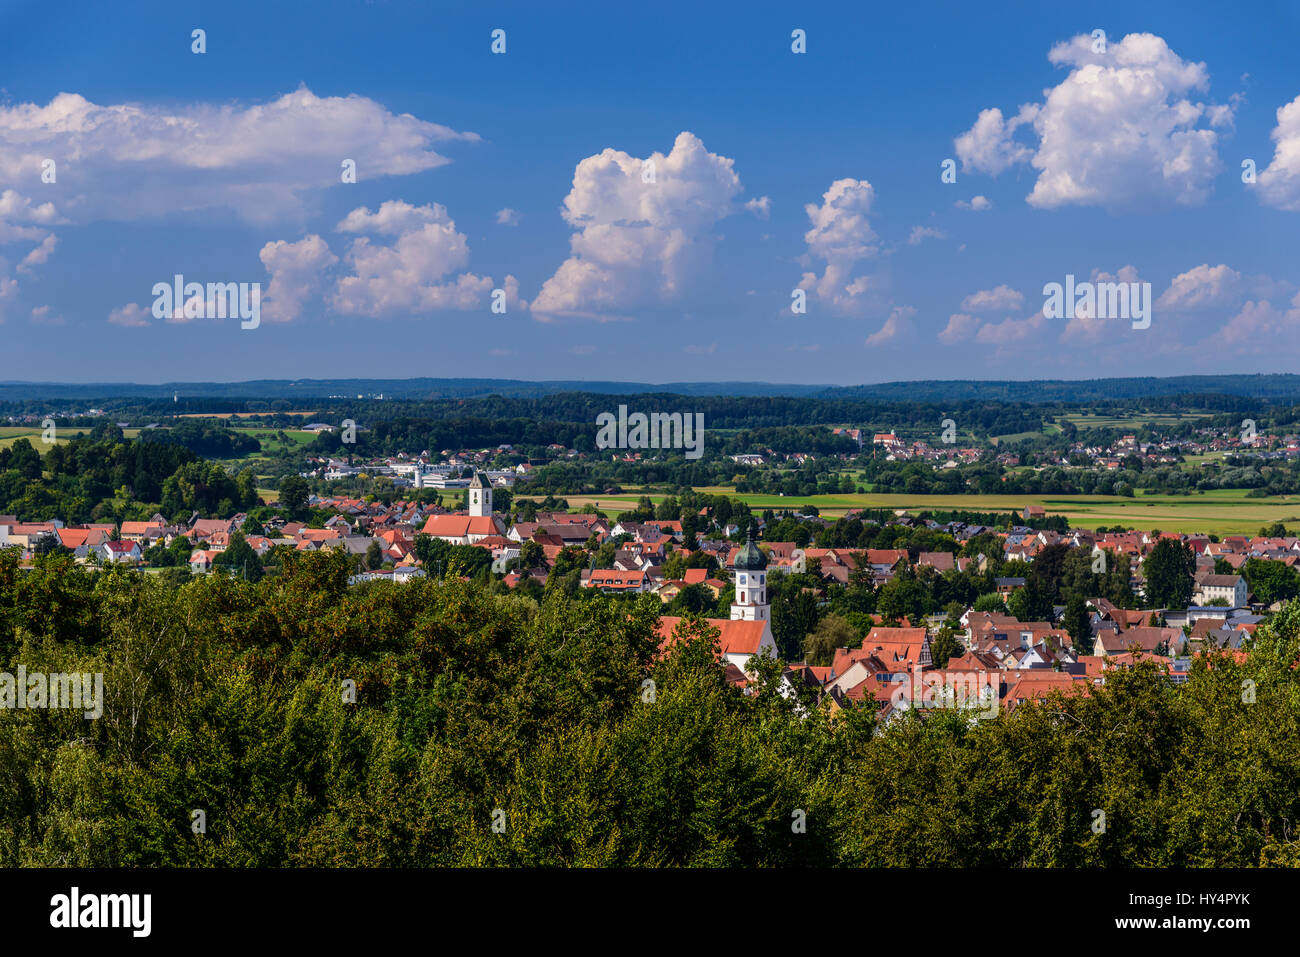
(1277, 386)
(1274, 386)
(388, 388)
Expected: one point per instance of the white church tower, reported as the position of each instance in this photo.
(750, 603)
(480, 497)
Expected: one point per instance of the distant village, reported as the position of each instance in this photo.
(1109, 457)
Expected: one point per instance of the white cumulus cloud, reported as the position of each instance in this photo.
(421, 271)
(132, 315)
(895, 325)
(8, 287)
(842, 236)
(296, 270)
(40, 255)
(1125, 128)
(643, 227)
(960, 328)
(1001, 299)
(1279, 183)
(1201, 287)
(133, 161)
(989, 146)
(1010, 331)
(1261, 328)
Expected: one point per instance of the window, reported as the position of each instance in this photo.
(742, 578)
(742, 597)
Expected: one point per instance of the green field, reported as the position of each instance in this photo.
(1221, 513)
(9, 434)
(1193, 461)
(34, 431)
(1017, 436)
(264, 435)
(272, 447)
(1089, 420)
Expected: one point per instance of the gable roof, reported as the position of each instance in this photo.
(885, 556)
(1147, 640)
(898, 644)
(459, 526)
(206, 526)
(738, 637)
(1025, 686)
(941, 561)
(73, 537)
(1220, 581)
(141, 528)
(615, 578)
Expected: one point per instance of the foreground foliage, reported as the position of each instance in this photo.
(226, 696)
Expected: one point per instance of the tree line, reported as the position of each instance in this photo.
(439, 724)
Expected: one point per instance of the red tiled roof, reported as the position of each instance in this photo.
(458, 526)
(73, 537)
(140, 528)
(736, 637)
(616, 578)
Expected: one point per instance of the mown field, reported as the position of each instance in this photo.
(1221, 513)
(297, 438)
(9, 434)
(1091, 420)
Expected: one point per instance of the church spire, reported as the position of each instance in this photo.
(480, 496)
(750, 565)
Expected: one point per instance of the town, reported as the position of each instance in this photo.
(701, 562)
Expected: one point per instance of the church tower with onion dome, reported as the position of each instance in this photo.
(750, 603)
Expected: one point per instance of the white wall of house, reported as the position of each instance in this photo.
(1236, 595)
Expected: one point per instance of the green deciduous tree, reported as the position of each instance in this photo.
(831, 632)
(1169, 570)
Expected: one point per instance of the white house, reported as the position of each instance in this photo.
(1229, 587)
(128, 552)
(201, 560)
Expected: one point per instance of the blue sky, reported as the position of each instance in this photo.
(774, 171)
